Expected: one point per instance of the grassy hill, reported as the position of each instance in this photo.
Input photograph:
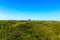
(29, 30)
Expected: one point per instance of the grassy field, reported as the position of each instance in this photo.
(29, 30)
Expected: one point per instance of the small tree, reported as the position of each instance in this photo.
(29, 20)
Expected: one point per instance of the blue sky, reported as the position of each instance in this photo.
(30, 9)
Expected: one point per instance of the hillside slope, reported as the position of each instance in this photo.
(29, 30)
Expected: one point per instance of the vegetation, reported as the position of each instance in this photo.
(29, 30)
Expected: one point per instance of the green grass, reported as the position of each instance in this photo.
(29, 30)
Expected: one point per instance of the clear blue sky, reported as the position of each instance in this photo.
(30, 9)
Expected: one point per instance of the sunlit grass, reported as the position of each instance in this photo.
(29, 30)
